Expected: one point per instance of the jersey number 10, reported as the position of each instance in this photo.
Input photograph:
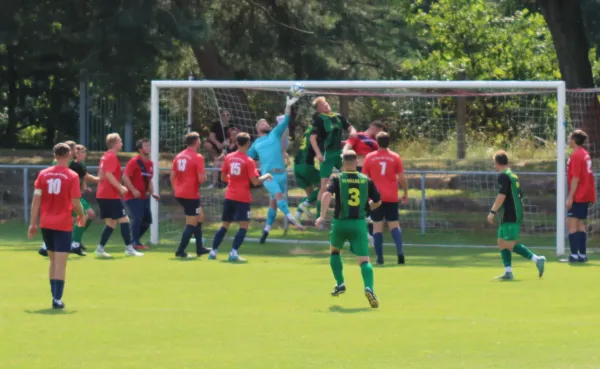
(54, 186)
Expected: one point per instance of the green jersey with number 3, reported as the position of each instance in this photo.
(305, 154)
(352, 192)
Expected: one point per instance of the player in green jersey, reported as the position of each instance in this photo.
(79, 167)
(510, 207)
(307, 176)
(352, 191)
(326, 141)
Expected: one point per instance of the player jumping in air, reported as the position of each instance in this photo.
(582, 192)
(508, 203)
(325, 140)
(187, 174)
(385, 168)
(307, 176)
(109, 200)
(57, 194)
(268, 150)
(352, 191)
(238, 171)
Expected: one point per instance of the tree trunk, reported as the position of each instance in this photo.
(9, 138)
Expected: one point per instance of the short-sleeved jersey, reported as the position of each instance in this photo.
(140, 177)
(239, 168)
(59, 185)
(362, 144)
(80, 169)
(383, 167)
(267, 149)
(352, 192)
(186, 166)
(109, 164)
(329, 129)
(305, 153)
(512, 208)
(580, 166)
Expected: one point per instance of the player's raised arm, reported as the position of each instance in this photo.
(348, 127)
(317, 130)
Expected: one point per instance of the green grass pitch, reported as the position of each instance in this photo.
(442, 310)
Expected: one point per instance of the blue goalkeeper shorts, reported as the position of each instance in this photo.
(276, 185)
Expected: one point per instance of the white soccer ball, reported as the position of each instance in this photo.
(296, 90)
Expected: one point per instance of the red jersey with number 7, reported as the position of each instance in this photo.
(580, 166)
(239, 168)
(383, 166)
(187, 165)
(59, 185)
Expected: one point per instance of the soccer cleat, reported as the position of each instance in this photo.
(507, 276)
(379, 260)
(57, 304)
(540, 263)
(372, 298)
(212, 255)
(130, 251)
(235, 258)
(141, 247)
(101, 253)
(583, 259)
(571, 259)
(338, 290)
(305, 208)
(183, 255)
(264, 236)
(202, 251)
(78, 251)
(82, 247)
(401, 259)
(43, 252)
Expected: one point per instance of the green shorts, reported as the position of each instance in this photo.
(352, 230)
(85, 205)
(306, 175)
(509, 231)
(332, 160)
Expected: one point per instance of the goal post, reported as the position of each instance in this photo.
(556, 88)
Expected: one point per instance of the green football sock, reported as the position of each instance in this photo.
(313, 196)
(335, 260)
(523, 251)
(366, 270)
(318, 209)
(78, 231)
(506, 257)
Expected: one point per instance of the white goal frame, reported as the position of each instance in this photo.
(559, 86)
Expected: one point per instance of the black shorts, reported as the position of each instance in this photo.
(191, 207)
(140, 208)
(111, 208)
(235, 211)
(386, 211)
(579, 210)
(57, 241)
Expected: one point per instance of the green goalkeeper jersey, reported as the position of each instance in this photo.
(329, 129)
(352, 191)
(305, 154)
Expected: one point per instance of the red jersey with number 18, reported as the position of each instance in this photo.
(186, 165)
(59, 185)
(239, 168)
(580, 166)
(383, 166)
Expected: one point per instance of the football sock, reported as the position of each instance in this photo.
(126, 233)
(198, 236)
(239, 238)
(144, 228)
(522, 250)
(370, 228)
(335, 260)
(188, 231)
(271, 214)
(136, 229)
(59, 286)
(506, 259)
(582, 244)
(283, 206)
(219, 238)
(52, 287)
(313, 196)
(318, 208)
(573, 244)
(78, 233)
(366, 269)
(378, 244)
(105, 236)
(397, 236)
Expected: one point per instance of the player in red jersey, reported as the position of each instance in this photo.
(138, 180)
(56, 196)
(385, 168)
(582, 192)
(187, 174)
(109, 200)
(238, 170)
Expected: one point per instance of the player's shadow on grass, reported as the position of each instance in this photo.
(51, 311)
(343, 310)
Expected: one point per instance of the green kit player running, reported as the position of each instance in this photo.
(352, 191)
(307, 176)
(509, 204)
(326, 141)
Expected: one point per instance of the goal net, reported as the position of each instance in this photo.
(445, 132)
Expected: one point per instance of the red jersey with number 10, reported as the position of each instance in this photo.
(383, 166)
(580, 166)
(187, 165)
(59, 185)
(239, 168)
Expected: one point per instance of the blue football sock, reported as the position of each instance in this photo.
(271, 214)
(106, 233)
(136, 225)
(60, 287)
(573, 244)
(370, 228)
(188, 231)
(198, 235)
(397, 236)
(582, 244)
(239, 238)
(126, 233)
(219, 237)
(53, 287)
(283, 206)
(143, 229)
(378, 243)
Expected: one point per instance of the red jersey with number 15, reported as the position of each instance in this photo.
(187, 165)
(59, 185)
(239, 168)
(383, 166)
(580, 166)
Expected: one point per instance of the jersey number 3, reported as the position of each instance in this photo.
(54, 186)
(354, 197)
